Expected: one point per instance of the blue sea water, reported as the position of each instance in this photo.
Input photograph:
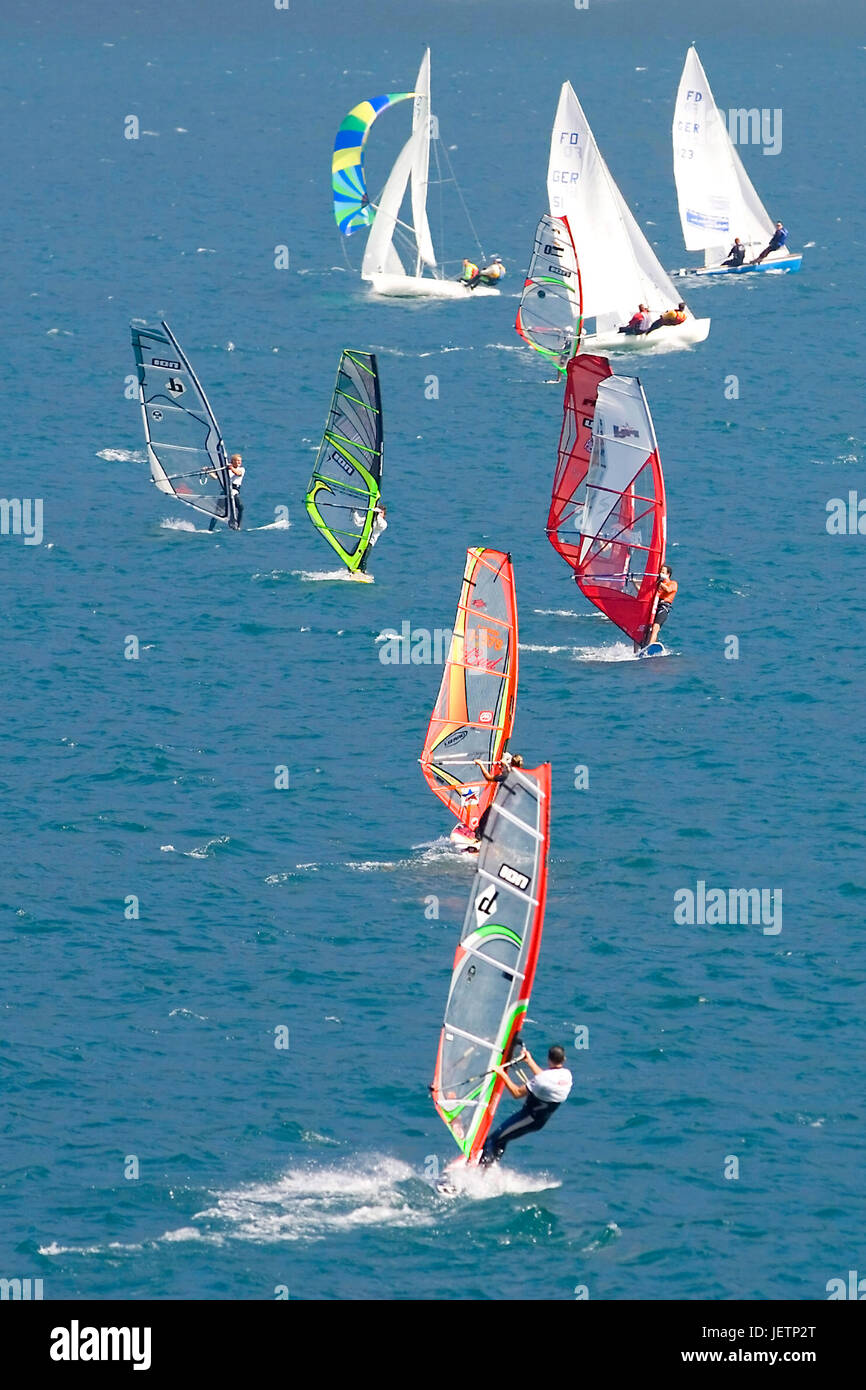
(154, 1038)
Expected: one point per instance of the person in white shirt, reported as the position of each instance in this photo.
(541, 1095)
(236, 477)
(379, 525)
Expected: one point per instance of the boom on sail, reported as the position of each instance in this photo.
(185, 448)
(343, 493)
(474, 711)
(608, 515)
(494, 966)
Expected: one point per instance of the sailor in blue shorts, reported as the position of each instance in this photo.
(547, 1088)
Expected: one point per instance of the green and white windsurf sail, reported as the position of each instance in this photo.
(185, 449)
(344, 490)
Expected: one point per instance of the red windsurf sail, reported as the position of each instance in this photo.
(607, 513)
(474, 711)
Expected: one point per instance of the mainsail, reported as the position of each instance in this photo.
(716, 199)
(618, 267)
(184, 446)
(380, 254)
(495, 962)
(474, 711)
(344, 488)
(352, 206)
(608, 513)
(550, 306)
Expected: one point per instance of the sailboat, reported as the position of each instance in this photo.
(619, 269)
(343, 492)
(494, 966)
(474, 712)
(550, 314)
(382, 265)
(716, 197)
(608, 514)
(185, 448)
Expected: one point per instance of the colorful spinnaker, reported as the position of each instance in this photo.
(185, 449)
(495, 962)
(344, 488)
(352, 207)
(474, 711)
(549, 316)
(607, 512)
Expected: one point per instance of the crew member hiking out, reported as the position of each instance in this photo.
(470, 274)
(638, 323)
(666, 588)
(670, 317)
(777, 241)
(542, 1094)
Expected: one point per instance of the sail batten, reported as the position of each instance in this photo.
(347, 474)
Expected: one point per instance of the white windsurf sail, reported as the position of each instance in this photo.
(618, 267)
(550, 306)
(717, 200)
(185, 449)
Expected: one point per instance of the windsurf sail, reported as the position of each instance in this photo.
(474, 711)
(344, 487)
(495, 962)
(352, 206)
(608, 513)
(549, 316)
(715, 194)
(185, 449)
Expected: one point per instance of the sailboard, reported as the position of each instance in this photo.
(717, 200)
(185, 448)
(549, 316)
(474, 711)
(494, 966)
(382, 265)
(618, 267)
(608, 514)
(344, 488)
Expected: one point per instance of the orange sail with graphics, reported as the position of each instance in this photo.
(471, 722)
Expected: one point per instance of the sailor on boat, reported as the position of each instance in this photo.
(236, 477)
(670, 317)
(777, 241)
(379, 525)
(488, 275)
(639, 321)
(470, 274)
(667, 592)
(541, 1094)
(737, 253)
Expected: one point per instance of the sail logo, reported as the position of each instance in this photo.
(846, 518)
(485, 716)
(76, 1343)
(625, 432)
(514, 877)
(22, 516)
(176, 386)
(719, 907)
(164, 362)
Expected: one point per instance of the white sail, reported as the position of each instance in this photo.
(380, 257)
(420, 165)
(716, 199)
(618, 267)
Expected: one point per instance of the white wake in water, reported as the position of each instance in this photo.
(282, 525)
(122, 455)
(313, 576)
(172, 523)
(620, 651)
(482, 1184)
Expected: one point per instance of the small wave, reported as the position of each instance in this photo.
(566, 613)
(173, 523)
(367, 866)
(122, 455)
(539, 647)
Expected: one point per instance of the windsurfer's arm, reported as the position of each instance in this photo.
(517, 1091)
(528, 1057)
(488, 777)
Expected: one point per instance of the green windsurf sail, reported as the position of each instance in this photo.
(344, 489)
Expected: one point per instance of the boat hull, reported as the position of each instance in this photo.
(679, 335)
(424, 287)
(785, 264)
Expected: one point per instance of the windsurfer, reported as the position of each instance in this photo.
(509, 760)
(737, 253)
(777, 241)
(638, 323)
(541, 1094)
(236, 477)
(670, 317)
(666, 588)
(379, 525)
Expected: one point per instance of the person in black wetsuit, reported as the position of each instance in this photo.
(541, 1096)
(737, 253)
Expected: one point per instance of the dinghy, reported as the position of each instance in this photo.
(618, 268)
(717, 200)
(382, 265)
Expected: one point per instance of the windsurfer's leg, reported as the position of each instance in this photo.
(526, 1121)
(213, 522)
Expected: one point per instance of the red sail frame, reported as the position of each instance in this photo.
(590, 558)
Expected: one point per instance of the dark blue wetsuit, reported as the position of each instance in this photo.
(534, 1115)
(777, 240)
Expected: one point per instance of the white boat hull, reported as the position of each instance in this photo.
(424, 287)
(678, 335)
